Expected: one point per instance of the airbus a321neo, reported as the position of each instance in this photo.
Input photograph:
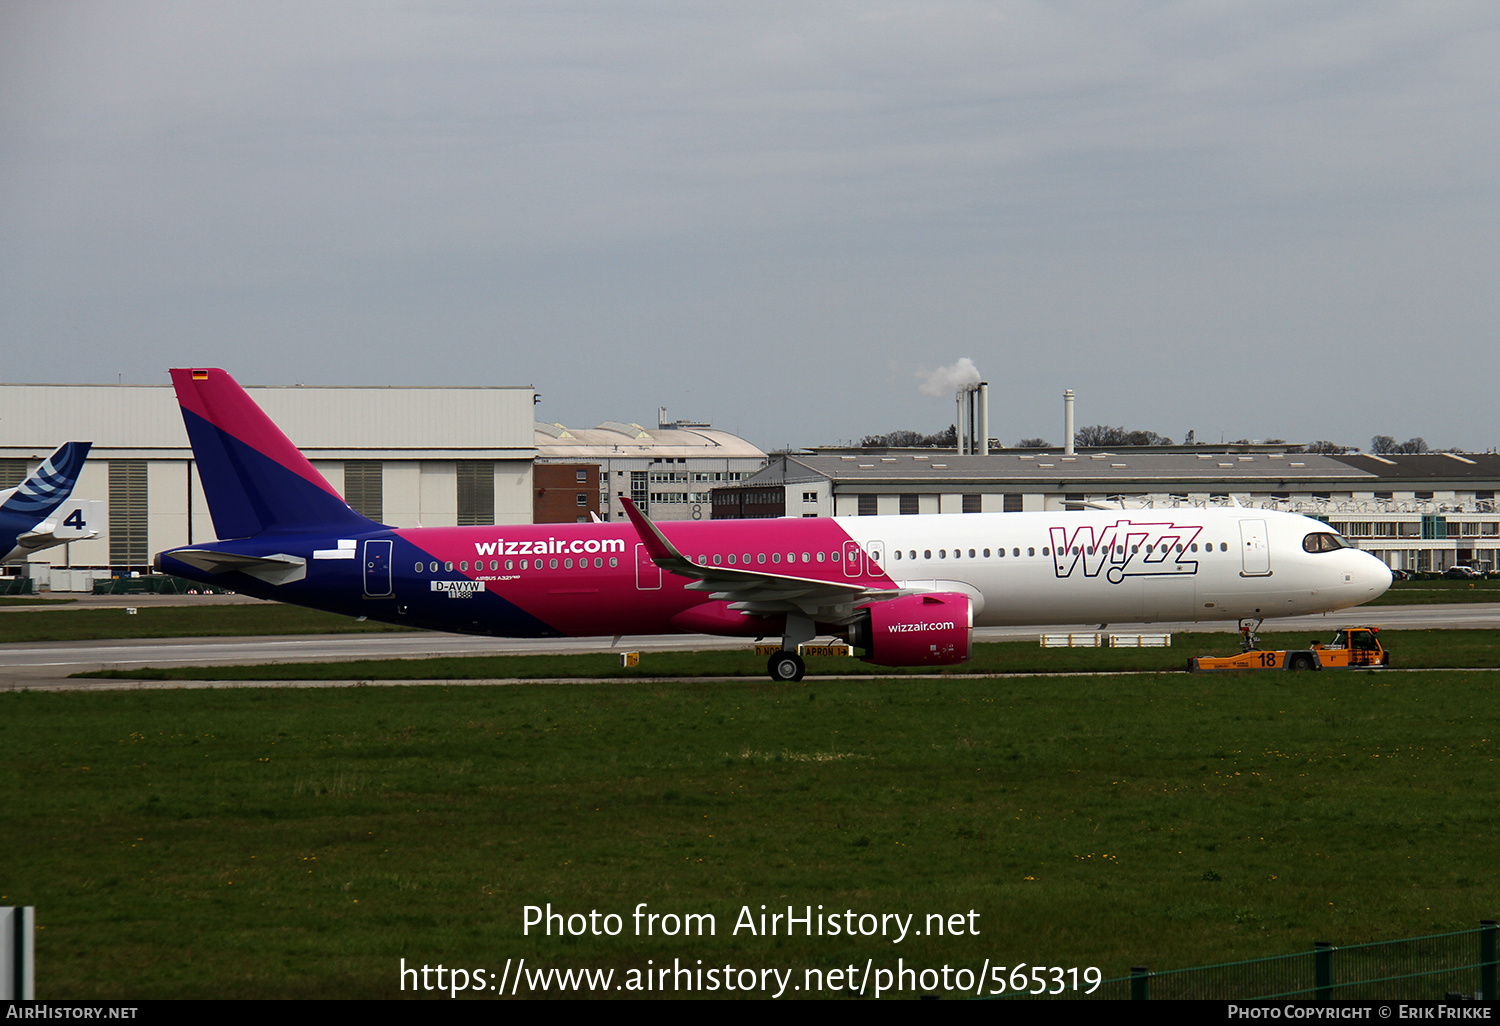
(37, 514)
(907, 590)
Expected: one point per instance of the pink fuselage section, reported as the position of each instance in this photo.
(590, 579)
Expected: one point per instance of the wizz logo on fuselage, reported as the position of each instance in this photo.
(1124, 549)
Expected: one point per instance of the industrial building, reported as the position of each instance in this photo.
(1426, 512)
(668, 471)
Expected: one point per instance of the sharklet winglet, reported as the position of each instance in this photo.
(662, 552)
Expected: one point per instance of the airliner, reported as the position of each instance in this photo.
(37, 513)
(906, 590)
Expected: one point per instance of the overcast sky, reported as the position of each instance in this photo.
(1250, 219)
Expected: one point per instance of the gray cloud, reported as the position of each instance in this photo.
(1195, 215)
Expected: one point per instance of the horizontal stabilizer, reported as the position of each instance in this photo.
(277, 569)
(45, 535)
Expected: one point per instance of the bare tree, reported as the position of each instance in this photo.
(1034, 443)
(1383, 444)
(1097, 435)
(907, 439)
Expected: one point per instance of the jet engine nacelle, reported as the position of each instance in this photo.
(916, 630)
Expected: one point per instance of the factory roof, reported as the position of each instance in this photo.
(1086, 468)
(1428, 466)
(616, 439)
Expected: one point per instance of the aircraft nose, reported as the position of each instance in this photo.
(1374, 575)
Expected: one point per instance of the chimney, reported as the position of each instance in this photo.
(984, 418)
(1068, 422)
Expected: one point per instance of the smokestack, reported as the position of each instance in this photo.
(984, 418)
(973, 423)
(1068, 422)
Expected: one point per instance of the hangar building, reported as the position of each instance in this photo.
(402, 456)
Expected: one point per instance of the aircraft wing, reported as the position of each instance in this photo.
(754, 591)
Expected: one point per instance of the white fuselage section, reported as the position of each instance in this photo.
(1123, 566)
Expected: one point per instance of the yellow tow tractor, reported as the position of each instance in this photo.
(1350, 647)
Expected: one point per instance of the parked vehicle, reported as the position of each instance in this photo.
(1350, 647)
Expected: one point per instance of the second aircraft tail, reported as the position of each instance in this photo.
(49, 485)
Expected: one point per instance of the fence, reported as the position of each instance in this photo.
(1429, 967)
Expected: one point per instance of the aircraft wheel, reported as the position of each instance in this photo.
(1301, 662)
(786, 666)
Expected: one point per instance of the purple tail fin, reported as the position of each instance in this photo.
(255, 479)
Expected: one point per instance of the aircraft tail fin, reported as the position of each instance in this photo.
(50, 484)
(255, 479)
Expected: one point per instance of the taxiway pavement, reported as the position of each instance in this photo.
(43, 663)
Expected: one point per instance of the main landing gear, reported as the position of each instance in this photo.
(786, 666)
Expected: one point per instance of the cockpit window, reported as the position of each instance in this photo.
(1322, 541)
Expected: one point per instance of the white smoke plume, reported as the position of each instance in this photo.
(946, 380)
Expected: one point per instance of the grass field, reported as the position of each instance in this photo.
(298, 843)
(1419, 593)
(178, 622)
(1428, 649)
